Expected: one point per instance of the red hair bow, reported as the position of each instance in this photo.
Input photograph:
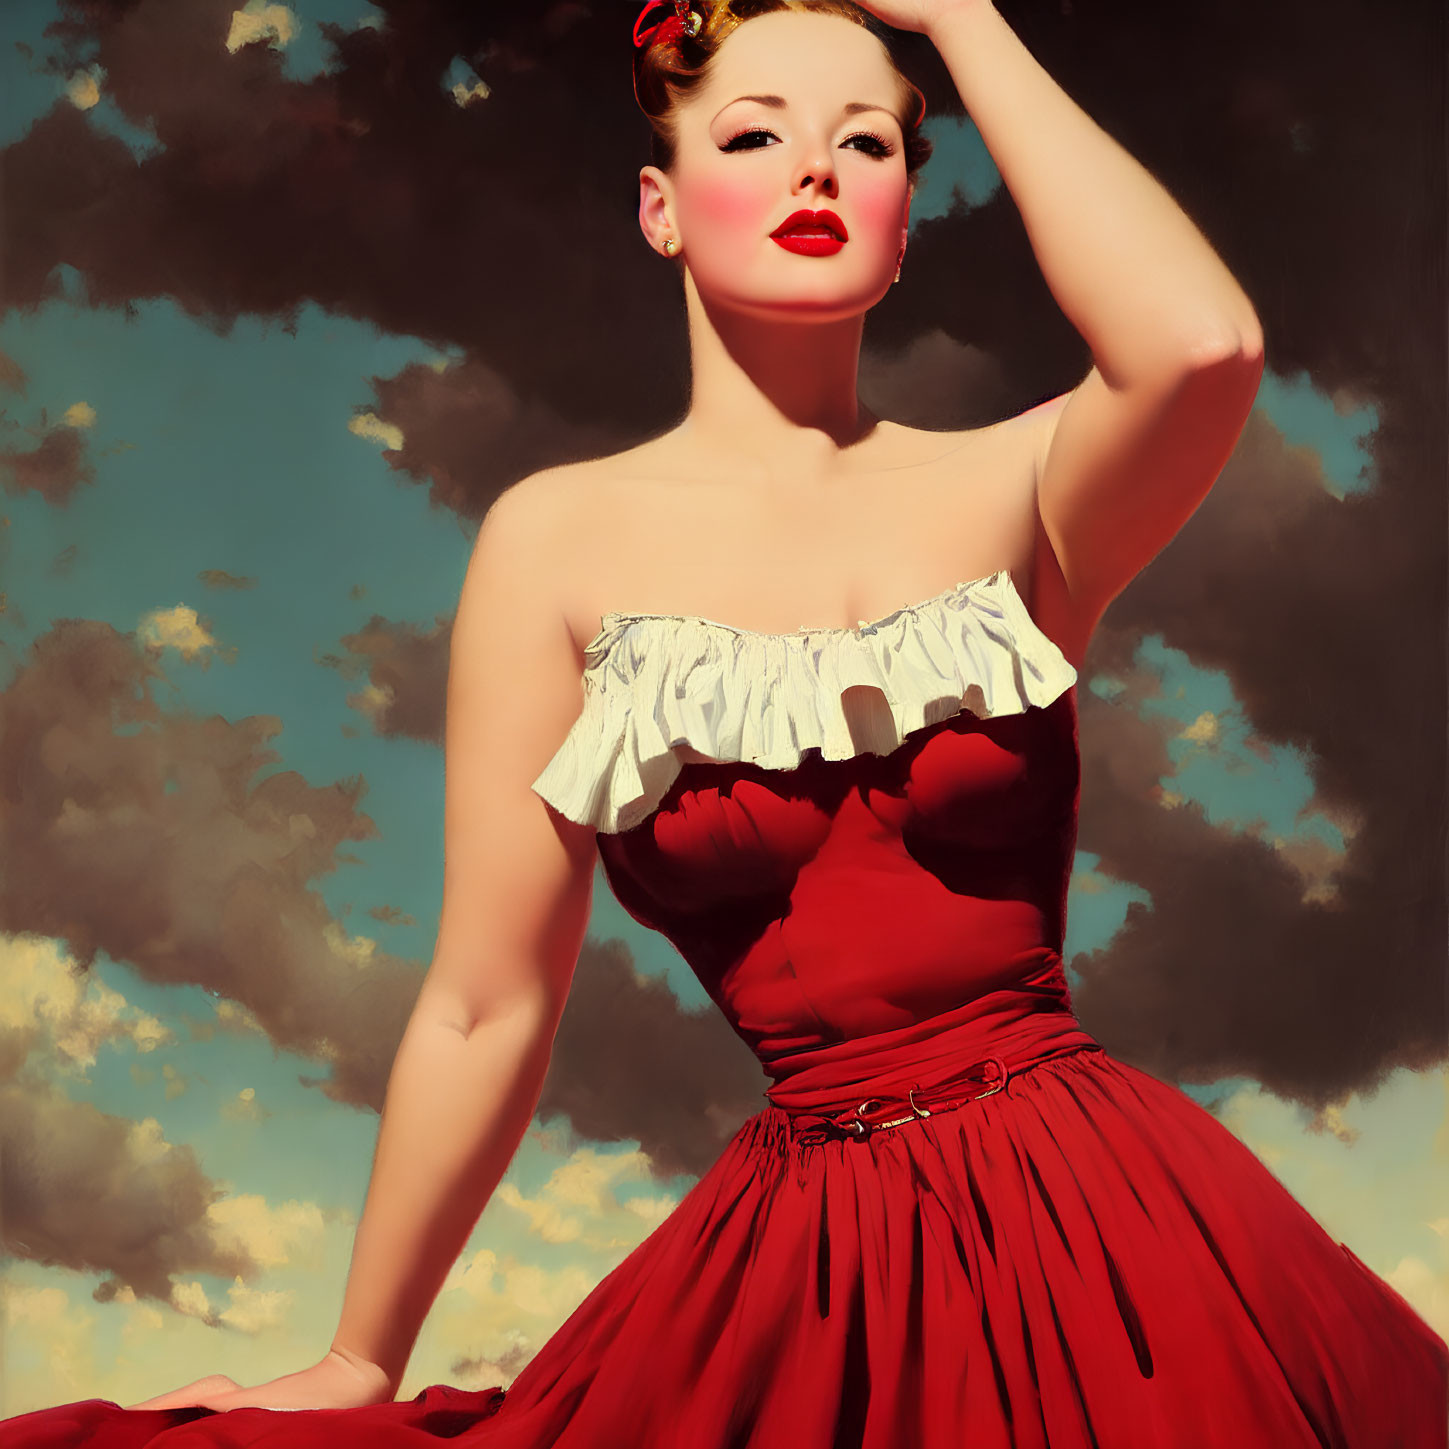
(684, 21)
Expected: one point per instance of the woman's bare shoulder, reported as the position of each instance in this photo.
(926, 444)
(998, 455)
(570, 517)
(555, 493)
(565, 484)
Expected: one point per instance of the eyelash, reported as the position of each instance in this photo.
(886, 147)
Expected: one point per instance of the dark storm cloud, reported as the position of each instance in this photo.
(54, 467)
(221, 579)
(1303, 139)
(148, 835)
(508, 225)
(211, 884)
(406, 669)
(504, 225)
(934, 381)
(468, 434)
(1328, 616)
(12, 375)
(630, 1061)
(92, 1192)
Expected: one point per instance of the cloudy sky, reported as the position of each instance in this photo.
(284, 303)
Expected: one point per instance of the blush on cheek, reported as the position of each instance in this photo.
(736, 203)
(878, 211)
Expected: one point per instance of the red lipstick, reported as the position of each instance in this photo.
(812, 233)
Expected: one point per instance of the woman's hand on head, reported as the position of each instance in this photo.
(918, 15)
(334, 1382)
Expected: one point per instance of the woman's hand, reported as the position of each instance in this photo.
(918, 15)
(333, 1383)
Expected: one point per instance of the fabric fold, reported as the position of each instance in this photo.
(657, 683)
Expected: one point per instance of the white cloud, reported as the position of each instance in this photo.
(368, 425)
(273, 1236)
(579, 1202)
(254, 1310)
(36, 1316)
(83, 89)
(182, 629)
(1374, 1171)
(261, 20)
(190, 1300)
(64, 1013)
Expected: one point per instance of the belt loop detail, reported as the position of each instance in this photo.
(877, 1114)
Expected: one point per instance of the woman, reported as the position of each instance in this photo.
(958, 1219)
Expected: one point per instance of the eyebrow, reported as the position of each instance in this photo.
(851, 108)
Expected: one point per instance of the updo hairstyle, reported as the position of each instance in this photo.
(668, 72)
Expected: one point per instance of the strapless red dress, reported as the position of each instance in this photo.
(957, 1220)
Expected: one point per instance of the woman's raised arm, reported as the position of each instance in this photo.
(1126, 457)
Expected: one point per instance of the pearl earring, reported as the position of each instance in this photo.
(670, 246)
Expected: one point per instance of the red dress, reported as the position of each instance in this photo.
(958, 1220)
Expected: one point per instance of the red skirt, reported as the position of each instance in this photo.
(1075, 1257)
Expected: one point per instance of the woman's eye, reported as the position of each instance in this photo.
(877, 145)
(733, 144)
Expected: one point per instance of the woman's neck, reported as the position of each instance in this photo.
(778, 398)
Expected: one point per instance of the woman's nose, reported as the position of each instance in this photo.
(816, 172)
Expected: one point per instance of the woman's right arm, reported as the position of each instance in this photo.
(517, 885)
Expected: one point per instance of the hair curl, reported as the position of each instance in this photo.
(667, 73)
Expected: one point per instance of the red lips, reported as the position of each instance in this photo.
(813, 221)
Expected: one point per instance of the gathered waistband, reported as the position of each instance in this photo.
(877, 1114)
(863, 1084)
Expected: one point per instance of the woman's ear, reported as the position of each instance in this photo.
(655, 202)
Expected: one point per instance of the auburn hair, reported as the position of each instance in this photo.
(668, 72)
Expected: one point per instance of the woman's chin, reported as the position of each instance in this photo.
(796, 303)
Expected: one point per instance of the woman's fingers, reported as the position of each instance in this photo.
(332, 1383)
(195, 1394)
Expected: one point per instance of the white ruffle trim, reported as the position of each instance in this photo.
(656, 682)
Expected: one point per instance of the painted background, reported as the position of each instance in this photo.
(290, 292)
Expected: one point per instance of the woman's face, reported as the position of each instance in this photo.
(745, 163)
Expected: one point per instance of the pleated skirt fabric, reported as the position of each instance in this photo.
(1086, 1259)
